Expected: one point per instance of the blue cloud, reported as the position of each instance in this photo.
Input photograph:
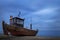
(45, 13)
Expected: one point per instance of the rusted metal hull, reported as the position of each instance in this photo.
(18, 31)
(22, 32)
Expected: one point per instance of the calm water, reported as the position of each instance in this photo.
(49, 33)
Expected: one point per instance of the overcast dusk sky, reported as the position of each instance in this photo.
(45, 14)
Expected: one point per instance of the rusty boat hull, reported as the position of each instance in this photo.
(17, 31)
(21, 32)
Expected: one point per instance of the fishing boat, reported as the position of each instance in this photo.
(16, 28)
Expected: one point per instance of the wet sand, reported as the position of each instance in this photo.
(27, 38)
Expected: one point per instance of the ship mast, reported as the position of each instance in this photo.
(31, 23)
(19, 14)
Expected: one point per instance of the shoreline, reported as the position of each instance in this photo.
(5, 37)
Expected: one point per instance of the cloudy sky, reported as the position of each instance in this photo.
(44, 14)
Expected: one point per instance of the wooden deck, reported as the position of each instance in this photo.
(26, 38)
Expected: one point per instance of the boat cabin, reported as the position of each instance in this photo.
(19, 22)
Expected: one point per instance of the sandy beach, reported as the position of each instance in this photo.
(26, 38)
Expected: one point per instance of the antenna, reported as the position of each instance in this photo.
(19, 14)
